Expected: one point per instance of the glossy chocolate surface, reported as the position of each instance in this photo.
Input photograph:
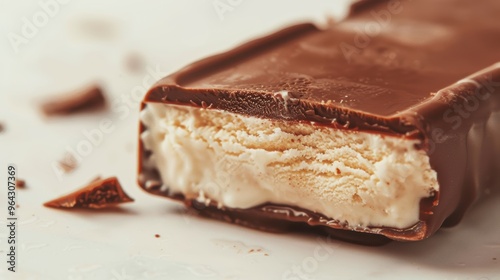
(415, 69)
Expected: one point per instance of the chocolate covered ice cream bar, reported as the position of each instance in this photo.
(385, 123)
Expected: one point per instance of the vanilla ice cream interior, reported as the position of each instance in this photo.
(358, 178)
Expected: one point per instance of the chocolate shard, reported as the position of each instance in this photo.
(20, 183)
(88, 98)
(68, 163)
(134, 63)
(387, 123)
(99, 193)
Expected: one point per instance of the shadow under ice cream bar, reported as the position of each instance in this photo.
(284, 130)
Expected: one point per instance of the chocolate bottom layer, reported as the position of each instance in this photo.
(285, 219)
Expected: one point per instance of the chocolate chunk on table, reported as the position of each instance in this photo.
(88, 98)
(98, 194)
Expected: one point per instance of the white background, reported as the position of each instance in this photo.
(68, 51)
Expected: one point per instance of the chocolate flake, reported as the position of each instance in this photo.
(98, 194)
(20, 183)
(69, 163)
(86, 99)
(134, 63)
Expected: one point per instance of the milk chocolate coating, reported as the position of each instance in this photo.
(413, 69)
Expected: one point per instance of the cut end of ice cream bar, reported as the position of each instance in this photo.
(357, 179)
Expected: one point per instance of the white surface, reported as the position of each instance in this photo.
(64, 54)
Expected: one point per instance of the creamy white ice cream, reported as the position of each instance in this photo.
(238, 161)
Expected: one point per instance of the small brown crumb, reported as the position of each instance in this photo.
(494, 259)
(251, 251)
(17, 205)
(134, 63)
(157, 235)
(95, 28)
(2, 128)
(85, 99)
(20, 183)
(266, 254)
(338, 171)
(68, 163)
(98, 194)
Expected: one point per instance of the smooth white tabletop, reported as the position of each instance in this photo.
(80, 42)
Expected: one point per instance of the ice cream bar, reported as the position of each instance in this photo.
(386, 123)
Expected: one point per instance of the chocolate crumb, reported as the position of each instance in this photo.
(86, 99)
(20, 183)
(2, 128)
(266, 254)
(134, 63)
(494, 259)
(251, 251)
(338, 171)
(17, 205)
(68, 163)
(98, 194)
(96, 28)
(157, 235)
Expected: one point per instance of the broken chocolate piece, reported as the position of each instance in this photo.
(98, 194)
(395, 135)
(134, 63)
(95, 28)
(20, 183)
(68, 163)
(89, 98)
